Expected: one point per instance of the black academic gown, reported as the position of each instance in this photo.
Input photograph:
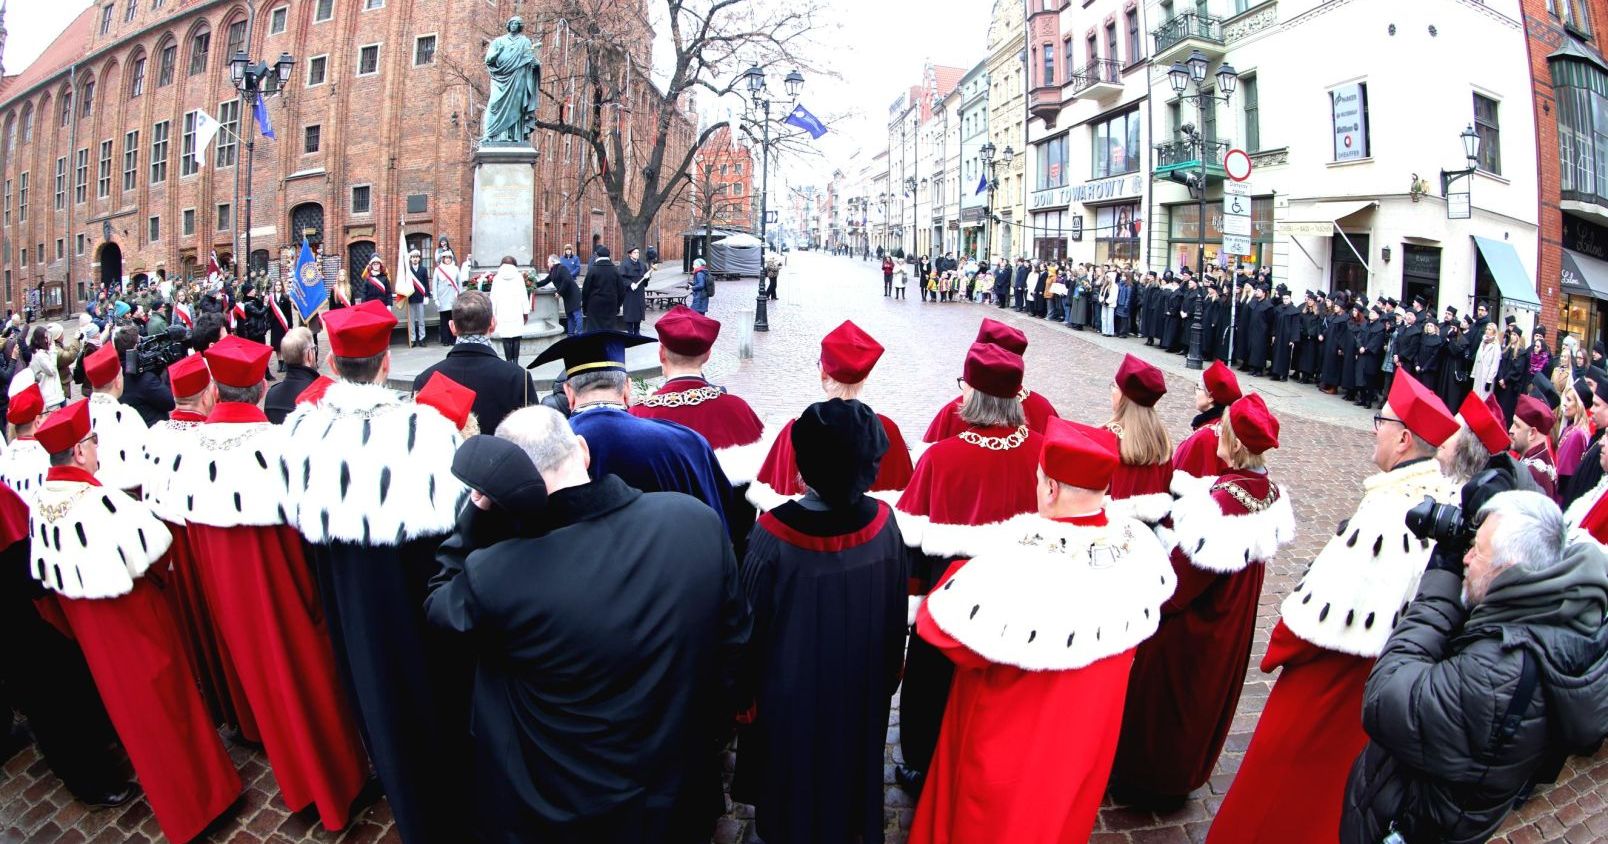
(1172, 303)
(1408, 342)
(827, 588)
(1371, 355)
(605, 683)
(1259, 331)
(1457, 362)
(1349, 345)
(1307, 351)
(635, 306)
(1429, 359)
(1337, 329)
(1286, 334)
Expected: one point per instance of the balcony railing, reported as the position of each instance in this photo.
(1097, 72)
(1186, 26)
(1185, 155)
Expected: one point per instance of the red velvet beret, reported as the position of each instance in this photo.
(1142, 383)
(1420, 410)
(848, 353)
(25, 405)
(452, 399)
(238, 362)
(1078, 455)
(1255, 426)
(102, 366)
(65, 428)
(360, 332)
(993, 370)
(188, 375)
(1002, 335)
(1484, 424)
(1496, 408)
(686, 332)
(1535, 413)
(1221, 383)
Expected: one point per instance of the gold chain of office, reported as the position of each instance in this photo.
(1246, 500)
(684, 398)
(1016, 438)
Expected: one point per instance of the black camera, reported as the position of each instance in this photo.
(155, 354)
(1452, 525)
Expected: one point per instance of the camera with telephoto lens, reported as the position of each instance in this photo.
(1451, 525)
(155, 354)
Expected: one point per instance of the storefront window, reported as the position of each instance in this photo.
(1116, 233)
(1116, 145)
(1420, 273)
(1184, 229)
(1581, 92)
(1050, 232)
(1052, 163)
(1348, 263)
(1581, 317)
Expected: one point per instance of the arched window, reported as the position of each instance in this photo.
(200, 43)
(136, 75)
(27, 123)
(86, 98)
(167, 56)
(66, 106)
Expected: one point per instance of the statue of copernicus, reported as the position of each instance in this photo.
(515, 66)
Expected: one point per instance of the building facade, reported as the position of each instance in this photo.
(973, 134)
(1007, 127)
(1347, 151)
(724, 180)
(375, 133)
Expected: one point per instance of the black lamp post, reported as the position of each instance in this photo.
(250, 80)
(1471, 149)
(986, 155)
(1182, 75)
(754, 77)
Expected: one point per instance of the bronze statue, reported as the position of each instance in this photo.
(515, 66)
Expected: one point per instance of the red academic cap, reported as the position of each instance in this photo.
(188, 375)
(26, 405)
(1536, 414)
(238, 362)
(993, 370)
(452, 399)
(1420, 410)
(1078, 455)
(1140, 382)
(686, 332)
(1002, 335)
(1495, 406)
(1484, 424)
(1221, 383)
(1255, 425)
(65, 428)
(102, 366)
(360, 332)
(848, 353)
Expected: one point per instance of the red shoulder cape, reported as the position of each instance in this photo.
(724, 421)
(947, 422)
(1197, 454)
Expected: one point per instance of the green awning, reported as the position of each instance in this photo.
(1511, 278)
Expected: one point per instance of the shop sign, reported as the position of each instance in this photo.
(1585, 237)
(1100, 190)
(1350, 123)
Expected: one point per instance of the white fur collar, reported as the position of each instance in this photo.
(1059, 596)
(92, 542)
(1216, 542)
(23, 466)
(162, 444)
(1356, 589)
(1579, 507)
(230, 475)
(366, 468)
(741, 463)
(1149, 508)
(122, 441)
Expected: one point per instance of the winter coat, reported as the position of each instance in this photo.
(603, 291)
(700, 299)
(1435, 699)
(634, 274)
(510, 304)
(1487, 362)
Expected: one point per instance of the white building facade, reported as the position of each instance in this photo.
(973, 134)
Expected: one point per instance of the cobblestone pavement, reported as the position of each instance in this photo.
(1324, 457)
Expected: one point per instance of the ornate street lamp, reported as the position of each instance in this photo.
(251, 81)
(754, 78)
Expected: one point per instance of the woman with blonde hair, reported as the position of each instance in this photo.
(1487, 361)
(1576, 422)
(1514, 374)
(1144, 478)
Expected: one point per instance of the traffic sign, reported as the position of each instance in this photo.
(1236, 244)
(1236, 224)
(1236, 188)
(1237, 206)
(1237, 164)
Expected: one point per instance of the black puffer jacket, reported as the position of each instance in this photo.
(1442, 685)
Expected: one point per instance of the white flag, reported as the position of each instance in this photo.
(206, 128)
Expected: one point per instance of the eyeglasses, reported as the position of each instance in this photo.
(960, 382)
(93, 439)
(1380, 418)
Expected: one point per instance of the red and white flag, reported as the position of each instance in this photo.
(181, 312)
(213, 270)
(237, 314)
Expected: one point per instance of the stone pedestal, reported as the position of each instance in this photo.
(505, 224)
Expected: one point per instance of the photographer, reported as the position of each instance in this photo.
(1494, 675)
(144, 389)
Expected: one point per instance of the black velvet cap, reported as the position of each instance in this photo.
(839, 445)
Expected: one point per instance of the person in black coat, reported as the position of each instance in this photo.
(1172, 306)
(1457, 363)
(147, 392)
(602, 293)
(1286, 335)
(569, 293)
(1258, 331)
(1307, 355)
(1348, 351)
(501, 387)
(1002, 285)
(1019, 285)
(301, 370)
(1370, 356)
(1335, 332)
(1429, 353)
(1409, 339)
(560, 637)
(635, 275)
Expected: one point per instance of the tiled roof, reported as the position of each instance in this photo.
(947, 79)
(69, 46)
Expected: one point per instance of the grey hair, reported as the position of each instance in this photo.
(609, 380)
(1531, 532)
(543, 434)
(1469, 456)
(986, 411)
(1421, 446)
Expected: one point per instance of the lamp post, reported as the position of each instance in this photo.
(1471, 149)
(754, 77)
(910, 191)
(252, 80)
(1182, 75)
(986, 155)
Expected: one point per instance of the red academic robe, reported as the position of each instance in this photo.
(959, 484)
(209, 659)
(1025, 753)
(732, 428)
(129, 641)
(1543, 467)
(1146, 491)
(268, 610)
(1197, 454)
(947, 422)
(780, 471)
(1292, 783)
(1187, 678)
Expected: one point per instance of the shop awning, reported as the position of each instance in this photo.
(1319, 219)
(1511, 278)
(1584, 275)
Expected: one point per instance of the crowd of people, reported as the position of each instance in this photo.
(528, 618)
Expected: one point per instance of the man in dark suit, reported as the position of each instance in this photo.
(558, 275)
(500, 387)
(301, 370)
(602, 292)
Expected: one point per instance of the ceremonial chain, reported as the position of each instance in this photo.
(1247, 500)
(591, 404)
(996, 443)
(212, 443)
(684, 398)
(1099, 551)
(55, 510)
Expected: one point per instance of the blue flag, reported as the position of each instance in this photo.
(802, 118)
(982, 185)
(307, 288)
(263, 123)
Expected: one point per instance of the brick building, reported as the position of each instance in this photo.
(1571, 100)
(375, 131)
(725, 183)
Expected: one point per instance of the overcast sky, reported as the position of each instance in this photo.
(876, 47)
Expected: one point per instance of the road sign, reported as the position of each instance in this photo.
(1236, 224)
(1236, 244)
(1458, 206)
(1237, 206)
(1237, 164)
(1236, 188)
